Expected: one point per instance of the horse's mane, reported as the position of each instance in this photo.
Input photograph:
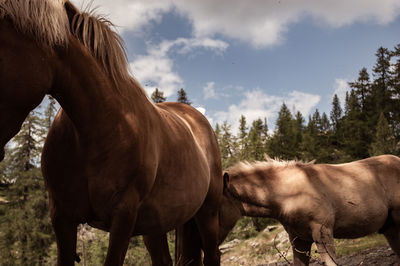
(96, 34)
(245, 167)
(47, 21)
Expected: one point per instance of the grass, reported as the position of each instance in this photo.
(350, 246)
(260, 249)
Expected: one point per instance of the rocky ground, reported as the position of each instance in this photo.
(271, 247)
(379, 256)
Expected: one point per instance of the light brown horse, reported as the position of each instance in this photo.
(317, 202)
(112, 158)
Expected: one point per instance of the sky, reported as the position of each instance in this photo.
(236, 57)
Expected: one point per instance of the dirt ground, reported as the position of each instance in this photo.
(382, 256)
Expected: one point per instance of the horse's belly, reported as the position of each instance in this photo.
(360, 222)
(174, 199)
(159, 217)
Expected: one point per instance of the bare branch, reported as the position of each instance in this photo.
(324, 244)
(282, 255)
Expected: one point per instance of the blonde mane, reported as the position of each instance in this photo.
(95, 33)
(44, 20)
(47, 22)
(247, 167)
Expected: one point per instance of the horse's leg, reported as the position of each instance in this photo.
(301, 250)
(207, 220)
(121, 229)
(392, 233)
(157, 246)
(65, 231)
(323, 238)
(188, 245)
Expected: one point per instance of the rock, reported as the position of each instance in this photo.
(229, 245)
(254, 244)
(270, 228)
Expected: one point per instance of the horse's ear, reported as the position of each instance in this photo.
(71, 10)
(226, 179)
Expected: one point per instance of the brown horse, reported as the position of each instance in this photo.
(112, 158)
(317, 202)
(230, 212)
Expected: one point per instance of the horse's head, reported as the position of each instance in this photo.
(27, 42)
(251, 186)
(230, 211)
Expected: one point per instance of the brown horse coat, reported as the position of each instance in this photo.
(112, 158)
(316, 202)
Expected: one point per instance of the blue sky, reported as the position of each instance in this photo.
(238, 57)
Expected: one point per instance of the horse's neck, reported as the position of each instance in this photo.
(255, 199)
(91, 99)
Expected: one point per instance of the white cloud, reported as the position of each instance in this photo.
(209, 91)
(301, 101)
(128, 14)
(155, 70)
(260, 23)
(264, 23)
(257, 104)
(201, 109)
(185, 46)
(340, 89)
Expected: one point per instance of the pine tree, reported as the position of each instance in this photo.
(158, 96)
(336, 120)
(50, 113)
(318, 139)
(317, 121)
(385, 142)
(182, 97)
(395, 83)
(381, 91)
(243, 138)
(336, 115)
(217, 131)
(228, 146)
(395, 55)
(311, 141)
(368, 101)
(299, 130)
(26, 220)
(346, 103)
(7, 238)
(265, 135)
(256, 143)
(354, 129)
(284, 144)
(325, 125)
(362, 88)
